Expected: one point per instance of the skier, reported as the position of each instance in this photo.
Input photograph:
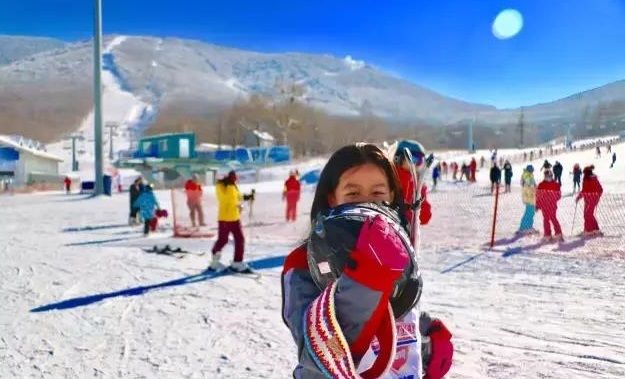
(482, 161)
(335, 330)
(472, 169)
(68, 185)
(436, 173)
(454, 169)
(528, 185)
(546, 165)
(507, 168)
(135, 190)
(547, 196)
(613, 159)
(291, 194)
(525, 156)
(540, 153)
(147, 205)
(557, 172)
(445, 168)
(577, 177)
(229, 221)
(495, 177)
(408, 186)
(591, 193)
(532, 155)
(193, 189)
(609, 148)
(598, 152)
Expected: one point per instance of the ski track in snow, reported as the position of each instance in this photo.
(539, 314)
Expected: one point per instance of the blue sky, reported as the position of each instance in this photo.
(448, 46)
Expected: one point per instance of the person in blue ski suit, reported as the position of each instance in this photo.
(147, 205)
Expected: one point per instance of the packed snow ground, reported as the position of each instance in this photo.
(106, 308)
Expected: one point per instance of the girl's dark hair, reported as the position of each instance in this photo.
(348, 157)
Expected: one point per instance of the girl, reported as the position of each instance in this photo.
(528, 185)
(348, 329)
(229, 221)
(591, 193)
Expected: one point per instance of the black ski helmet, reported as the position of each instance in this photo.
(334, 236)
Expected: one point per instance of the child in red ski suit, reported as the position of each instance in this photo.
(291, 195)
(547, 196)
(591, 193)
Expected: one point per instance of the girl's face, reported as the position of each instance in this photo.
(364, 183)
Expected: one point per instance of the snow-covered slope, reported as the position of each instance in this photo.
(120, 107)
(81, 298)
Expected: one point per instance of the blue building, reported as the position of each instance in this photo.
(167, 146)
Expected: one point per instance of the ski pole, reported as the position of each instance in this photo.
(574, 216)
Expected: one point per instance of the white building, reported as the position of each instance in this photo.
(24, 161)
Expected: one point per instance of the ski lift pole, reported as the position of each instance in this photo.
(492, 236)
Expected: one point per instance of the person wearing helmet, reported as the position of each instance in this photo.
(350, 293)
(407, 182)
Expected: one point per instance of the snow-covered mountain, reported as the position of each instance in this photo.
(48, 92)
(175, 71)
(13, 48)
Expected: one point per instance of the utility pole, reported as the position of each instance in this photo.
(73, 138)
(470, 136)
(112, 126)
(521, 127)
(97, 97)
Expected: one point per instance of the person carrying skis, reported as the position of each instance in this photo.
(495, 177)
(613, 159)
(557, 172)
(472, 169)
(135, 190)
(350, 293)
(507, 168)
(229, 222)
(409, 187)
(147, 205)
(547, 196)
(291, 195)
(591, 193)
(193, 190)
(577, 177)
(528, 185)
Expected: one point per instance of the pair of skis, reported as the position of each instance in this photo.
(167, 250)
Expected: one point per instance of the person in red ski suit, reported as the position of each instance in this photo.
(335, 328)
(548, 194)
(591, 193)
(68, 184)
(408, 188)
(291, 195)
(472, 169)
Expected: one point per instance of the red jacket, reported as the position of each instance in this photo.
(292, 184)
(194, 190)
(547, 195)
(408, 187)
(591, 188)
